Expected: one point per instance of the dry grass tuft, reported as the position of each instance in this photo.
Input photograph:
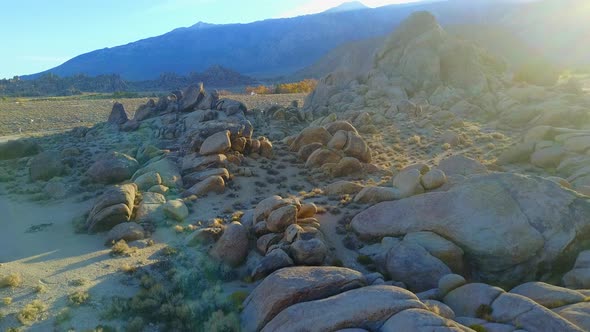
(13, 280)
(32, 312)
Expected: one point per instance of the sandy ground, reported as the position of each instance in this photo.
(60, 260)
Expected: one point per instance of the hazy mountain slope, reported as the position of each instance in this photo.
(351, 56)
(266, 48)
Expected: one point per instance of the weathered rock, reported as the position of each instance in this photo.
(525, 313)
(308, 149)
(450, 282)
(169, 172)
(150, 207)
(537, 220)
(411, 264)
(232, 246)
(46, 165)
(467, 299)
(112, 208)
(336, 126)
(548, 295)
(113, 167)
(266, 206)
(279, 219)
(357, 147)
(148, 180)
(191, 97)
(212, 184)
(274, 260)
(518, 153)
(128, 231)
(18, 149)
(217, 143)
(175, 209)
(347, 166)
(311, 135)
(196, 177)
(433, 179)
(289, 286)
(339, 140)
(579, 276)
(266, 150)
(367, 307)
(307, 211)
(309, 252)
(321, 157)
(118, 114)
(439, 247)
(343, 188)
(578, 314)
(193, 162)
(420, 320)
(408, 183)
(374, 195)
(461, 165)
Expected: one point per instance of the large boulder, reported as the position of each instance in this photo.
(46, 165)
(461, 165)
(114, 207)
(292, 285)
(366, 307)
(547, 295)
(311, 135)
(216, 143)
(510, 226)
(411, 264)
(420, 320)
(128, 231)
(113, 167)
(166, 168)
(118, 114)
(232, 246)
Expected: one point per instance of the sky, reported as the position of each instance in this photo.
(40, 34)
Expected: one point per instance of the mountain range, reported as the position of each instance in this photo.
(306, 46)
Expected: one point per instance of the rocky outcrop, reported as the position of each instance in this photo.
(510, 226)
(114, 207)
(290, 286)
(113, 167)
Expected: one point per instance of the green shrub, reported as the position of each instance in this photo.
(78, 298)
(364, 260)
(13, 280)
(31, 313)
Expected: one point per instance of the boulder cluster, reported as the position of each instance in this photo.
(336, 148)
(292, 298)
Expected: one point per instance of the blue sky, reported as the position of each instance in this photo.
(40, 34)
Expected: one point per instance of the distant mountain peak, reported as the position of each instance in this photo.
(347, 7)
(202, 25)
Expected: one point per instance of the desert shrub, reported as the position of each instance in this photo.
(181, 293)
(364, 259)
(222, 322)
(484, 311)
(31, 313)
(237, 298)
(538, 72)
(478, 328)
(120, 248)
(7, 301)
(13, 280)
(78, 298)
(305, 86)
(63, 316)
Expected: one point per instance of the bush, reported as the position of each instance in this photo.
(13, 280)
(305, 86)
(538, 72)
(31, 313)
(78, 298)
